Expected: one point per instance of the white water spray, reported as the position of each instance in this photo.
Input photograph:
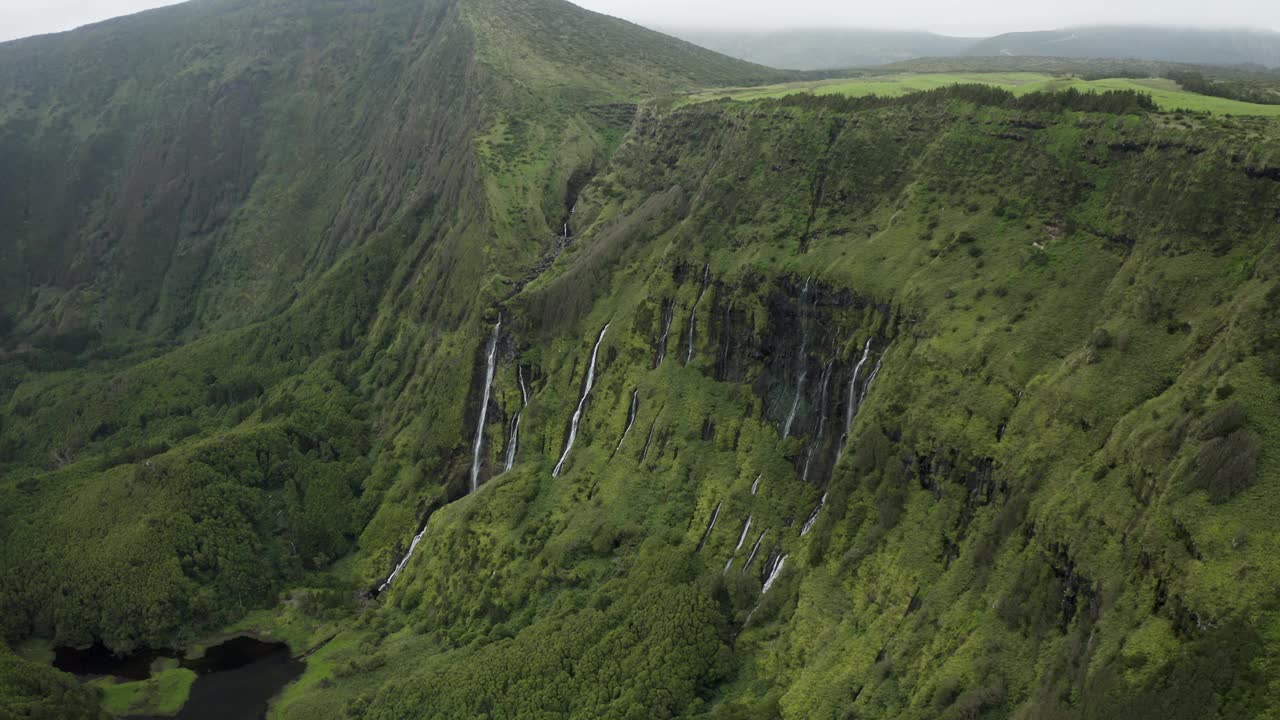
(514, 442)
(631, 419)
(715, 515)
(851, 408)
(813, 516)
(668, 312)
(693, 314)
(822, 422)
(484, 406)
(755, 486)
(773, 574)
(866, 387)
(403, 561)
(577, 414)
(800, 362)
(743, 537)
(754, 548)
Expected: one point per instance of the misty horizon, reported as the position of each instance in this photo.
(974, 21)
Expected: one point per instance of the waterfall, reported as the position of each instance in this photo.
(791, 416)
(754, 549)
(866, 387)
(773, 574)
(510, 459)
(484, 406)
(800, 363)
(851, 407)
(693, 313)
(755, 485)
(644, 454)
(514, 442)
(822, 422)
(813, 516)
(577, 414)
(668, 312)
(743, 537)
(728, 564)
(715, 515)
(403, 561)
(631, 420)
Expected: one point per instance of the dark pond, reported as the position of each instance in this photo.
(234, 680)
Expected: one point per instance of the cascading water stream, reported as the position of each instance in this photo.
(822, 422)
(668, 312)
(866, 387)
(755, 485)
(577, 414)
(403, 561)
(851, 408)
(774, 572)
(514, 442)
(510, 460)
(631, 420)
(743, 537)
(754, 549)
(800, 364)
(813, 516)
(476, 446)
(715, 515)
(693, 313)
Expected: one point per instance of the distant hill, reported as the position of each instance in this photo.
(825, 49)
(1212, 47)
(849, 48)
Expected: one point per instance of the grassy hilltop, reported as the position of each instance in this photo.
(238, 379)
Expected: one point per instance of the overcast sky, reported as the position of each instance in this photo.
(19, 18)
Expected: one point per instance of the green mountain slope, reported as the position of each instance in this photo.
(300, 188)
(951, 405)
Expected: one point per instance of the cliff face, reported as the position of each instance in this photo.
(1058, 377)
(945, 406)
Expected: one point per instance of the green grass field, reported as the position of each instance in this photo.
(1167, 94)
(164, 693)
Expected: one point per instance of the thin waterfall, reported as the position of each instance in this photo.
(644, 454)
(693, 313)
(755, 485)
(800, 363)
(631, 420)
(822, 422)
(668, 312)
(774, 572)
(851, 406)
(754, 549)
(403, 561)
(866, 387)
(514, 442)
(492, 357)
(715, 515)
(743, 537)
(510, 460)
(577, 414)
(813, 516)
(728, 564)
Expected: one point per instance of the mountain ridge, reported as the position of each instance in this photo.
(835, 49)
